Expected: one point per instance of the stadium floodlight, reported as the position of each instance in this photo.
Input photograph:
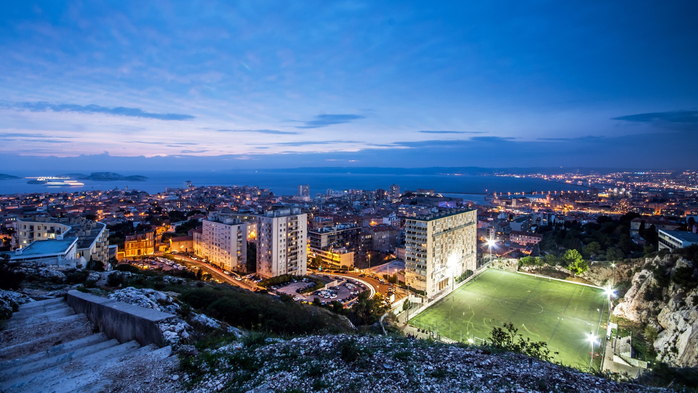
(609, 292)
(592, 339)
(491, 243)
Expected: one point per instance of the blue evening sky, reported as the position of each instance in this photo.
(378, 83)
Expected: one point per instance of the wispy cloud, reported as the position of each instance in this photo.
(29, 135)
(329, 120)
(451, 132)
(306, 143)
(668, 117)
(193, 151)
(272, 132)
(42, 106)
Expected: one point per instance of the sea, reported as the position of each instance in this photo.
(286, 182)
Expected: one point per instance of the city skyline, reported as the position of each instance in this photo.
(207, 85)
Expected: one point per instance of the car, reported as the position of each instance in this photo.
(226, 272)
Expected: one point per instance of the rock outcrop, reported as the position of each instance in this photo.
(657, 300)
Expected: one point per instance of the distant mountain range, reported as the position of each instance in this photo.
(106, 176)
(7, 177)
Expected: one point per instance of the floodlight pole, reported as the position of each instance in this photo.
(591, 358)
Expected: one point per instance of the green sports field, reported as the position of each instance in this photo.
(559, 313)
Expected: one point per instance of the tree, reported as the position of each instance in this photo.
(592, 249)
(551, 259)
(575, 262)
(614, 254)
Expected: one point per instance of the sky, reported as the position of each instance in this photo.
(258, 84)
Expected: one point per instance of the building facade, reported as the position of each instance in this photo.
(93, 237)
(139, 244)
(223, 243)
(282, 243)
(338, 245)
(672, 240)
(439, 248)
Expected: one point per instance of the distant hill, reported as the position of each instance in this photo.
(7, 177)
(106, 176)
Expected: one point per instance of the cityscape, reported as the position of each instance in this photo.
(348, 197)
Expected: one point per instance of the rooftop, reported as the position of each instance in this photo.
(683, 235)
(48, 247)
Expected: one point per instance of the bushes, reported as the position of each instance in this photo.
(77, 277)
(115, 279)
(258, 312)
(509, 339)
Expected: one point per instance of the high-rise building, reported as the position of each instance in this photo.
(439, 248)
(223, 241)
(282, 242)
(304, 191)
(394, 191)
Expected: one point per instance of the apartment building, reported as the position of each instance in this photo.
(223, 242)
(337, 245)
(93, 237)
(439, 248)
(282, 242)
(139, 244)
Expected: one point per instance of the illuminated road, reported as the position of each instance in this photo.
(215, 272)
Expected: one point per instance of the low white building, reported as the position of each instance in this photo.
(672, 240)
(58, 253)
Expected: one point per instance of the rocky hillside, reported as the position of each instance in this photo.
(663, 296)
(354, 363)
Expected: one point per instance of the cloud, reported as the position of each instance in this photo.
(305, 143)
(329, 120)
(588, 138)
(30, 136)
(451, 132)
(273, 132)
(193, 151)
(690, 117)
(42, 106)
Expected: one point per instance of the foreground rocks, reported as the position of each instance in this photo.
(345, 363)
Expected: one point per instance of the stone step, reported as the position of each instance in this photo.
(51, 379)
(25, 312)
(41, 303)
(42, 317)
(63, 358)
(55, 350)
(102, 384)
(10, 351)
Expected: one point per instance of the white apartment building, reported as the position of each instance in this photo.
(93, 237)
(223, 241)
(439, 248)
(282, 242)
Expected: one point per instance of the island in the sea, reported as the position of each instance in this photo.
(4, 176)
(106, 176)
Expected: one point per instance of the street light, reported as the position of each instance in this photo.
(613, 265)
(592, 340)
(491, 243)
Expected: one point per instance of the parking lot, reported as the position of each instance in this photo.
(344, 293)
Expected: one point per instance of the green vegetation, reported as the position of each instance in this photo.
(509, 339)
(559, 313)
(606, 239)
(575, 262)
(263, 313)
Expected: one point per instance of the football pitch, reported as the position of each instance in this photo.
(560, 313)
